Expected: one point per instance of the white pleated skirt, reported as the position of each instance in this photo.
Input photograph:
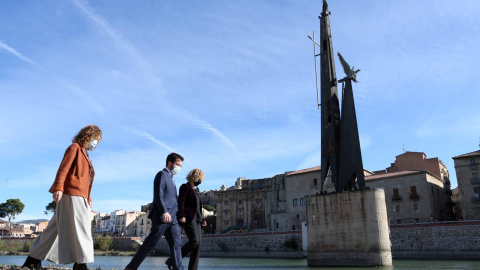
(68, 236)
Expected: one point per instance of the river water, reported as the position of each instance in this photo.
(150, 263)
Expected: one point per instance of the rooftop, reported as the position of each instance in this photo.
(471, 154)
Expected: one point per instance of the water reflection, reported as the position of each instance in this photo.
(150, 263)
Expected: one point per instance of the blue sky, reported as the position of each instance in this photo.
(228, 84)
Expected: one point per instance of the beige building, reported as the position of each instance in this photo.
(208, 197)
(418, 161)
(144, 225)
(125, 223)
(466, 167)
(411, 196)
(244, 205)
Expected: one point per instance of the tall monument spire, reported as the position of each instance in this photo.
(330, 109)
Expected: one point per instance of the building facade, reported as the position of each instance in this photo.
(125, 223)
(418, 161)
(466, 168)
(457, 204)
(411, 196)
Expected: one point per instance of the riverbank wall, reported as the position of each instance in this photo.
(447, 240)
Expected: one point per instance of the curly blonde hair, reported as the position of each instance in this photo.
(86, 134)
(195, 174)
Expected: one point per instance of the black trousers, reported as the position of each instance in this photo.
(194, 233)
(172, 234)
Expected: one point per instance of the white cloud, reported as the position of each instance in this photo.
(16, 53)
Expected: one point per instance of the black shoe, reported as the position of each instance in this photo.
(168, 262)
(80, 266)
(32, 263)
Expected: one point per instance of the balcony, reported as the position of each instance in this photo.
(473, 167)
(396, 198)
(475, 181)
(414, 197)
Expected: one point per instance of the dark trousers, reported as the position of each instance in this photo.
(194, 233)
(172, 234)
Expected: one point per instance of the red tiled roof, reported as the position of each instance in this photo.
(393, 174)
(471, 154)
(304, 170)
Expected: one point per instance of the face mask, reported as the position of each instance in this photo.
(196, 183)
(176, 169)
(92, 145)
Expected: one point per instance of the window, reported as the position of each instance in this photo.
(298, 216)
(239, 201)
(397, 208)
(413, 192)
(417, 220)
(314, 181)
(295, 202)
(432, 189)
(415, 206)
(396, 196)
(399, 221)
(276, 225)
(476, 193)
(302, 201)
(474, 178)
(472, 163)
(225, 202)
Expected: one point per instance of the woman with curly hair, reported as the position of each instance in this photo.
(67, 238)
(190, 217)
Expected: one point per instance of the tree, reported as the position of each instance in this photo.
(209, 208)
(51, 207)
(10, 209)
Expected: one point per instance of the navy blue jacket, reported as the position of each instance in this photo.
(164, 198)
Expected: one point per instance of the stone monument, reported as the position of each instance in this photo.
(348, 227)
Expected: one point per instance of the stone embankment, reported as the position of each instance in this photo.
(448, 240)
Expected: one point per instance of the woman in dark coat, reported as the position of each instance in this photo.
(190, 217)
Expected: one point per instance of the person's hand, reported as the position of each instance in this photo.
(204, 223)
(183, 220)
(167, 218)
(91, 204)
(57, 196)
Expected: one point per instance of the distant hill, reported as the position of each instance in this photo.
(35, 221)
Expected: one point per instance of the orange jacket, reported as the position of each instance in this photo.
(73, 175)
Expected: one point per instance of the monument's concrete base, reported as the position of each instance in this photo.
(348, 229)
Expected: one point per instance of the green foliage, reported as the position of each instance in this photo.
(209, 208)
(26, 246)
(51, 207)
(291, 243)
(14, 246)
(10, 209)
(103, 243)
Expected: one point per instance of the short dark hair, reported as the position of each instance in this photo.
(172, 157)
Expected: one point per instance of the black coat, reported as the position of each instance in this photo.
(187, 203)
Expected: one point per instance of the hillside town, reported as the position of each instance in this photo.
(417, 190)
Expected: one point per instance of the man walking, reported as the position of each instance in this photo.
(163, 214)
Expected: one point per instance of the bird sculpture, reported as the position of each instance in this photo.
(350, 72)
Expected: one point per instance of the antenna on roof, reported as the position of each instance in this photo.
(404, 148)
